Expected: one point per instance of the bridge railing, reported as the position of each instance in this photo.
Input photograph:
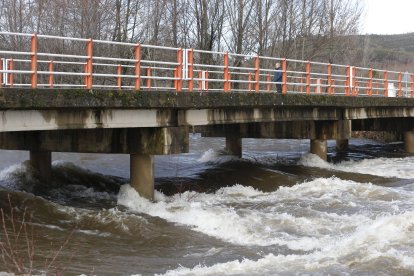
(43, 61)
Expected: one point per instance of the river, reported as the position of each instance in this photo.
(276, 211)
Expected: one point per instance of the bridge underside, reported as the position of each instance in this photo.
(156, 123)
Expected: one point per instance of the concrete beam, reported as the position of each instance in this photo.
(41, 161)
(142, 175)
(282, 130)
(152, 141)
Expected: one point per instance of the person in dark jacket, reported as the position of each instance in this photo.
(278, 78)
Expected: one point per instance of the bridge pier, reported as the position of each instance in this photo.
(142, 174)
(409, 141)
(41, 161)
(319, 147)
(342, 144)
(234, 145)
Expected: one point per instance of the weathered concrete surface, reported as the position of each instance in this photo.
(320, 148)
(409, 141)
(41, 109)
(282, 130)
(142, 175)
(41, 161)
(151, 141)
(15, 98)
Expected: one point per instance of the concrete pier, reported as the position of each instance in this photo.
(342, 144)
(409, 141)
(319, 147)
(142, 175)
(234, 145)
(41, 161)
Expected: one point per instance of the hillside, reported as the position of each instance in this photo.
(387, 50)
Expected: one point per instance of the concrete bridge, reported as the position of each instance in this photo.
(143, 124)
(110, 97)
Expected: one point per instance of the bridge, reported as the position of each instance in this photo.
(62, 94)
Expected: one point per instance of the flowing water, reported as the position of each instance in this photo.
(276, 211)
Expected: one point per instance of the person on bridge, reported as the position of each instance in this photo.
(278, 78)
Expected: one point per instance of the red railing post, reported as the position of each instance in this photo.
(256, 74)
(118, 78)
(10, 67)
(412, 85)
(347, 81)
(284, 76)
(400, 84)
(51, 79)
(226, 73)
(370, 82)
(329, 81)
(190, 70)
(386, 84)
(33, 61)
(179, 83)
(138, 67)
(206, 81)
(89, 54)
(149, 78)
(308, 77)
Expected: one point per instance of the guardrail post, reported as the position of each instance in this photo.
(1, 73)
(51, 79)
(10, 67)
(33, 60)
(148, 78)
(308, 78)
(190, 70)
(226, 72)
(284, 76)
(268, 79)
(347, 80)
(412, 85)
(354, 88)
(370, 82)
(256, 74)
(386, 84)
(400, 84)
(89, 53)
(329, 81)
(179, 83)
(118, 78)
(138, 67)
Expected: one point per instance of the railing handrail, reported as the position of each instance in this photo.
(188, 72)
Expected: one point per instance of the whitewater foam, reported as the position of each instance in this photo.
(385, 167)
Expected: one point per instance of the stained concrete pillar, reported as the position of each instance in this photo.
(319, 147)
(409, 141)
(342, 144)
(41, 161)
(234, 145)
(142, 175)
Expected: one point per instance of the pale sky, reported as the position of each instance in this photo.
(388, 16)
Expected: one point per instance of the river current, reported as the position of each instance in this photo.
(276, 211)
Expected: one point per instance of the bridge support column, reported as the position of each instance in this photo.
(319, 147)
(409, 141)
(41, 161)
(342, 144)
(234, 145)
(142, 175)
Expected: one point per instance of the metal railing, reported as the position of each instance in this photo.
(43, 61)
